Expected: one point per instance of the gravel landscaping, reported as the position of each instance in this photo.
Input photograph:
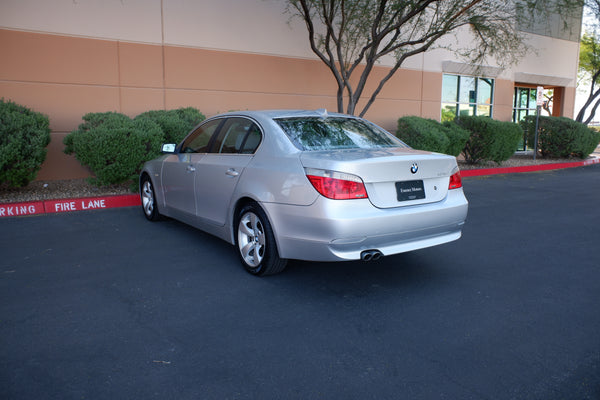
(518, 160)
(61, 189)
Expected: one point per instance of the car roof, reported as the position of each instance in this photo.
(273, 114)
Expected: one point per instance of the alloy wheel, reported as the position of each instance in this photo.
(251, 239)
(147, 198)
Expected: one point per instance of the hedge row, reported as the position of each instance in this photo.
(484, 139)
(115, 146)
(560, 137)
(477, 138)
(428, 134)
(24, 135)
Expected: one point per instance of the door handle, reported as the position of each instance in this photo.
(190, 168)
(232, 172)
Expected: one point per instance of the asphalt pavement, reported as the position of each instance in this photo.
(106, 305)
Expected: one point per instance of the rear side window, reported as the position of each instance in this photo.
(237, 136)
(331, 133)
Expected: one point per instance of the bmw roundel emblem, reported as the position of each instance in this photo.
(414, 168)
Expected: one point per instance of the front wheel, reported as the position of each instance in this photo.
(256, 243)
(149, 199)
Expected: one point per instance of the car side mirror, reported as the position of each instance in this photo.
(168, 148)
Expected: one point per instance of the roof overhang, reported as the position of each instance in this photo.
(542, 80)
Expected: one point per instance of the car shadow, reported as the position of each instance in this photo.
(399, 274)
(407, 272)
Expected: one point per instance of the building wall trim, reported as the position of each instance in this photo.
(453, 67)
(542, 80)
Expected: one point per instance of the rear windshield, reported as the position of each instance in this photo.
(331, 133)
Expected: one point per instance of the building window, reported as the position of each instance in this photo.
(524, 104)
(466, 95)
(542, 20)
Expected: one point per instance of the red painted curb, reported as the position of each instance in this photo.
(18, 209)
(528, 168)
(67, 205)
(132, 200)
(91, 203)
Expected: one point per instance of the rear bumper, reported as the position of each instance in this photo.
(334, 230)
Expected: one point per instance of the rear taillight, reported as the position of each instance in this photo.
(455, 181)
(337, 185)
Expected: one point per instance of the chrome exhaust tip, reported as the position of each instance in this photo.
(370, 255)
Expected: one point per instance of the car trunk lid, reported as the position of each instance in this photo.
(395, 177)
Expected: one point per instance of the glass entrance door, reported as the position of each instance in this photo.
(524, 104)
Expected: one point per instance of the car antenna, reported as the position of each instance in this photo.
(322, 112)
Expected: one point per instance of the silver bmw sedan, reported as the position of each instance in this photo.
(307, 185)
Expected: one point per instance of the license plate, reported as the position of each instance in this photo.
(410, 190)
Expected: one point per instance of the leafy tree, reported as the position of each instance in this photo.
(352, 36)
(589, 66)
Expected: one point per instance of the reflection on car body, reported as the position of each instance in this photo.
(307, 185)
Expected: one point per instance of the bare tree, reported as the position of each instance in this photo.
(352, 36)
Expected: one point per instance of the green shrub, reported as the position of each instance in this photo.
(92, 121)
(457, 137)
(191, 115)
(24, 135)
(422, 134)
(175, 123)
(113, 146)
(489, 140)
(427, 134)
(560, 137)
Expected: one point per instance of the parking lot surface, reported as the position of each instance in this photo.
(105, 305)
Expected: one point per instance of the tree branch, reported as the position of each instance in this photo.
(353, 35)
(593, 112)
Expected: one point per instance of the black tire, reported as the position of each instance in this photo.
(148, 198)
(255, 242)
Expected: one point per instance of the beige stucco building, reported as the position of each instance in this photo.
(66, 58)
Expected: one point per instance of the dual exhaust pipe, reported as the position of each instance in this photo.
(371, 255)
